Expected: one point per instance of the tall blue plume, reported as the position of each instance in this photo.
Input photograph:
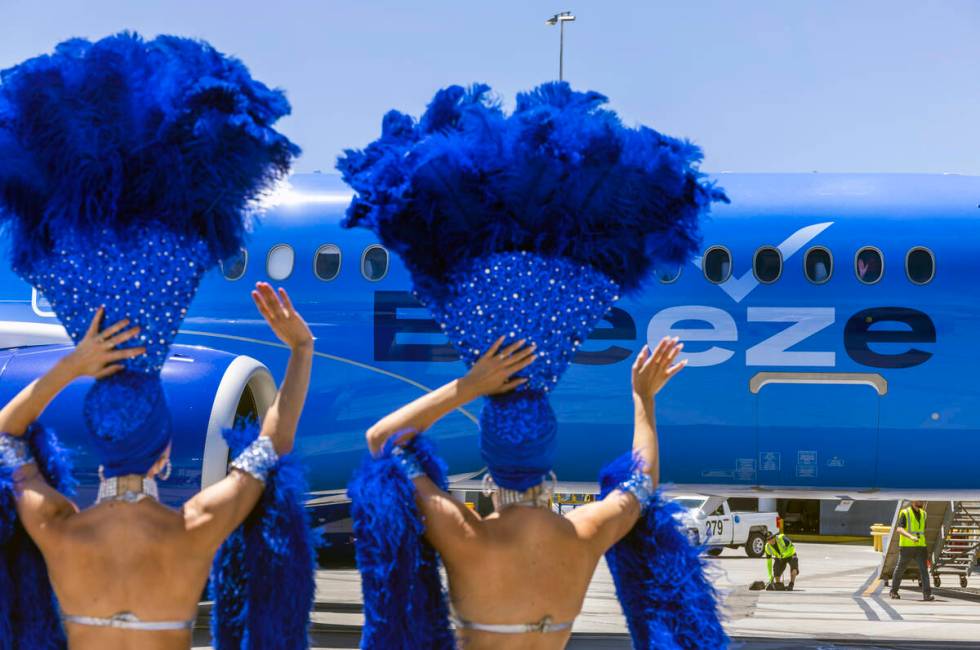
(528, 225)
(29, 612)
(561, 176)
(660, 579)
(274, 547)
(404, 600)
(129, 169)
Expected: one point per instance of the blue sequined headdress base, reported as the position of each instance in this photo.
(551, 302)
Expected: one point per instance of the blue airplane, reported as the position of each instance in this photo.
(828, 324)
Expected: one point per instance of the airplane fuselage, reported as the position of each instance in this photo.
(827, 360)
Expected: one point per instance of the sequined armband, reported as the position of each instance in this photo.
(14, 451)
(257, 459)
(640, 485)
(407, 462)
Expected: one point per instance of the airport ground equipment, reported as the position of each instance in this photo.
(936, 512)
(711, 522)
(956, 551)
(879, 533)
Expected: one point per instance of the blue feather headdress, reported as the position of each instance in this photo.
(128, 167)
(528, 225)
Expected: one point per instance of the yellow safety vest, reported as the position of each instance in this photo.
(783, 548)
(914, 525)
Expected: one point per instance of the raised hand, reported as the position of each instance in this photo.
(652, 370)
(96, 354)
(282, 317)
(493, 373)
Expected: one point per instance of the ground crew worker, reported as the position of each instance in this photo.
(912, 548)
(779, 553)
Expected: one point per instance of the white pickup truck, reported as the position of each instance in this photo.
(710, 522)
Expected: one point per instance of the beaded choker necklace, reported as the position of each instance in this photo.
(536, 496)
(130, 489)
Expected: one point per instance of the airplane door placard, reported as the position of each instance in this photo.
(817, 434)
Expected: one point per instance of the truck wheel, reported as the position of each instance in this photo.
(714, 551)
(755, 545)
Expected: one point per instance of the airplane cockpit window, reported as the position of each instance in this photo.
(767, 264)
(717, 264)
(818, 265)
(920, 265)
(326, 262)
(233, 268)
(668, 273)
(869, 265)
(279, 264)
(374, 263)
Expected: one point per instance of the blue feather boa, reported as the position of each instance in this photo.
(262, 579)
(29, 613)
(659, 574)
(404, 600)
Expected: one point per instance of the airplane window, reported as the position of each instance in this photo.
(818, 265)
(233, 268)
(326, 262)
(279, 264)
(767, 265)
(869, 265)
(667, 274)
(920, 265)
(717, 264)
(374, 263)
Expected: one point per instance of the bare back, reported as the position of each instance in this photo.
(522, 564)
(134, 557)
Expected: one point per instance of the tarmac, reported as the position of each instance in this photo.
(838, 604)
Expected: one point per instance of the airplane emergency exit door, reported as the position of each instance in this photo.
(817, 429)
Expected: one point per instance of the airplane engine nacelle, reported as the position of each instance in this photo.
(206, 389)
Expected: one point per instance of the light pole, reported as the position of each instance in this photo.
(560, 20)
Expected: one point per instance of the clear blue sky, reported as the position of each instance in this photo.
(761, 85)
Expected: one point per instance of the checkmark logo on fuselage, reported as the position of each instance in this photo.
(738, 288)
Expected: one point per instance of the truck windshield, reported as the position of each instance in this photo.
(689, 503)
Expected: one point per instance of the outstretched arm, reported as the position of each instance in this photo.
(603, 523)
(448, 522)
(39, 506)
(651, 372)
(491, 375)
(212, 514)
(94, 356)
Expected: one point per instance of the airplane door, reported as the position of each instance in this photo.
(817, 429)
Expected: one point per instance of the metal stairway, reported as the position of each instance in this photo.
(936, 514)
(956, 552)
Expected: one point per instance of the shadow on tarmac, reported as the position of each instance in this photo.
(337, 640)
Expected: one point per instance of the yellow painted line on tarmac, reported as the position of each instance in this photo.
(871, 588)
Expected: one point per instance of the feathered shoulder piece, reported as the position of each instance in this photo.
(661, 575)
(560, 176)
(263, 576)
(125, 132)
(404, 600)
(29, 612)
